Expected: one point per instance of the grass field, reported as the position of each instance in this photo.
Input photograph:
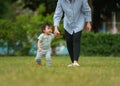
(93, 71)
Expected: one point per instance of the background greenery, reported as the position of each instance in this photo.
(103, 44)
(20, 22)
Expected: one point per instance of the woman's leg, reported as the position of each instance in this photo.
(69, 42)
(76, 45)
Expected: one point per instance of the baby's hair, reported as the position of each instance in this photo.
(43, 26)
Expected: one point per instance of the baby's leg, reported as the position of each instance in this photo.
(48, 58)
(38, 57)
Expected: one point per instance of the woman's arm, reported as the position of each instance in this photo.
(57, 17)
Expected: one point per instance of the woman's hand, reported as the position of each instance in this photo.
(88, 27)
(56, 31)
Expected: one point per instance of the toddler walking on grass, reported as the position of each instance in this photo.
(44, 44)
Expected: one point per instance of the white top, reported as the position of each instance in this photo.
(45, 41)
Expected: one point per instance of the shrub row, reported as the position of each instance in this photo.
(103, 44)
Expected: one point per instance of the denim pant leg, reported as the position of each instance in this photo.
(38, 57)
(48, 58)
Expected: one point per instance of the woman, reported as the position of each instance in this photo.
(76, 14)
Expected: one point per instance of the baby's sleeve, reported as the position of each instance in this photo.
(40, 37)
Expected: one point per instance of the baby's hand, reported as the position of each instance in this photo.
(39, 49)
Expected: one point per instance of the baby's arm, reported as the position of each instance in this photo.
(39, 47)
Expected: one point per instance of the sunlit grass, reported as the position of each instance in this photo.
(93, 71)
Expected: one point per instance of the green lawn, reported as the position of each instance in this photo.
(93, 71)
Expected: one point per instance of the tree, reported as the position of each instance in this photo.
(102, 10)
(6, 8)
(34, 4)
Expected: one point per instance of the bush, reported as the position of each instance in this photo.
(100, 44)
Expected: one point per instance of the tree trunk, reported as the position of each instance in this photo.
(96, 22)
(114, 28)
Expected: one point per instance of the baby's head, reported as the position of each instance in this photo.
(46, 28)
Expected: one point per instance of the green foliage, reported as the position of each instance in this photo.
(6, 8)
(15, 36)
(34, 4)
(100, 44)
(41, 9)
(20, 33)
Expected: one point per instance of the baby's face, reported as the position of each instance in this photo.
(48, 30)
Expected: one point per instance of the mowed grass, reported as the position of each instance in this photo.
(93, 71)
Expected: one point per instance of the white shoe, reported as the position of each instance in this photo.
(73, 65)
(76, 64)
(70, 65)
